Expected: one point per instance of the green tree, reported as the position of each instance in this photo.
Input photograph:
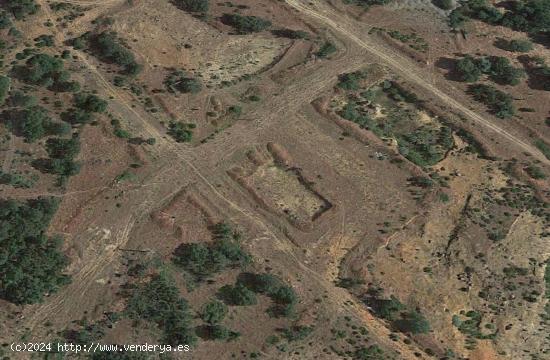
(213, 312)
(468, 69)
(238, 295)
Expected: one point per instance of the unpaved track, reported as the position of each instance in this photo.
(407, 69)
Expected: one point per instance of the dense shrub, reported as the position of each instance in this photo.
(351, 81)
(192, 5)
(47, 71)
(31, 263)
(181, 132)
(291, 34)
(4, 88)
(444, 4)
(159, 301)
(30, 123)
(21, 8)
(326, 49)
(515, 45)
(213, 312)
(205, 260)
(498, 102)
(246, 24)
(499, 69)
(238, 295)
(284, 297)
(109, 48)
(5, 21)
(179, 81)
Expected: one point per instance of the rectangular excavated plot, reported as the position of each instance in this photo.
(287, 192)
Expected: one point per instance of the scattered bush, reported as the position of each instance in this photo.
(297, 333)
(246, 24)
(31, 263)
(373, 352)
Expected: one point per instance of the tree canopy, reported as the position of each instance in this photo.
(31, 264)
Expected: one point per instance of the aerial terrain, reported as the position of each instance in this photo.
(275, 179)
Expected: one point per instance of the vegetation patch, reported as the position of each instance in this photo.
(205, 260)
(245, 24)
(499, 102)
(159, 301)
(31, 264)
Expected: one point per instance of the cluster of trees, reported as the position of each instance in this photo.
(499, 102)
(62, 153)
(199, 6)
(21, 8)
(212, 314)
(159, 301)
(179, 81)
(245, 24)
(398, 93)
(31, 264)
(531, 16)
(181, 132)
(32, 123)
(515, 45)
(108, 47)
(205, 260)
(499, 69)
(403, 319)
(426, 146)
(47, 71)
(284, 297)
(85, 106)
